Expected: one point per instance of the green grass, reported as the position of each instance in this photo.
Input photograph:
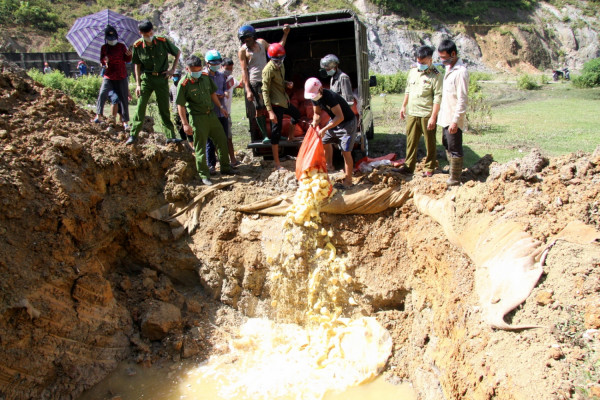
(557, 119)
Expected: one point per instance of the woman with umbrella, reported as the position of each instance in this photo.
(113, 57)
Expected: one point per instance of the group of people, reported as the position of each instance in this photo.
(201, 99)
(266, 86)
(434, 99)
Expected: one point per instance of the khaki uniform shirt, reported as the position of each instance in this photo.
(424, 89)
(196, 93)
(155, 57)
(273, 87)
(455, 96)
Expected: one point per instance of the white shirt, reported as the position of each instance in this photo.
(231, 83)
(455, 96)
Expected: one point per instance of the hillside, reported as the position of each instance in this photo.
(514, 36)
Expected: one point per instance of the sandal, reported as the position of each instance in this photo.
(341, 186)
(280, 168)
(235, 164)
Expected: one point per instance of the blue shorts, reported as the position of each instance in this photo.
(344, 134)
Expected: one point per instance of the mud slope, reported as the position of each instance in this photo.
(89, 278)
(70, 193)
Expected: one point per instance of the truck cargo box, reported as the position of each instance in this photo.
(313, 36)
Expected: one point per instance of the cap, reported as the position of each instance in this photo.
(311, 88)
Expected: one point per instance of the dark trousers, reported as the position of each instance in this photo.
(211, 151)
(120, 87)
(453, 142)
(279, 112)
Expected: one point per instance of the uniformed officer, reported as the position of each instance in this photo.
(198, 92)
(152, 73)
(421, 106)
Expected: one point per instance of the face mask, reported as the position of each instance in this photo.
(278, 63)
(149, 38)
(422, 67)
(214, 68)
(331, 72)
(111, 42)
(447, 62)
(227, 72)
(196, 75)
(317, 97)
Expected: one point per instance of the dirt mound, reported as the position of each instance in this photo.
(91, 279)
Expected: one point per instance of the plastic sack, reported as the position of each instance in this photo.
(311, 154)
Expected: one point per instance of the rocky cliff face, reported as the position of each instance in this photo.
(547, 38)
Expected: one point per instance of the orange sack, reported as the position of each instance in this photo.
(311, 154)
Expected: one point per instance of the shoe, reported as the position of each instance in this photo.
(341, 186)
(402, 170)
(266, 141)
(125, 126)
(212, 170)
(173, 140)
(96, 121)
(235, 164)
(229, 172)
(131, 140)
(427, 174)
(206, 181)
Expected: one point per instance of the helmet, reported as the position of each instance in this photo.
(276, 51)
(110, 33)
(311, 88)
(328, 60)
(213, 57)
(246, 31)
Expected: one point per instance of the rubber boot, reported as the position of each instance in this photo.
(456, 165)
(261, 121)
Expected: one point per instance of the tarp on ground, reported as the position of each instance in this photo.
(184, 217)
(352, 201)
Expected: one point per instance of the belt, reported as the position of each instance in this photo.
(153, 73)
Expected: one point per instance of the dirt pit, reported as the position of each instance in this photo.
(90, 279)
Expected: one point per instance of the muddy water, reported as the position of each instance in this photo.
(178, 382)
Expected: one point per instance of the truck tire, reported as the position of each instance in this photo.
(371, 132)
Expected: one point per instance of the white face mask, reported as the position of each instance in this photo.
(317, 97)
(112, 42)
(149, 38)
(331, 72)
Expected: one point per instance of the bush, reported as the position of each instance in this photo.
(84, 89)
(527, 82)
(544, 80)
(38, 15)
(590, 75)
(395, 83)
(479, 110)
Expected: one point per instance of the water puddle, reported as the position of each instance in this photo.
(179, 382)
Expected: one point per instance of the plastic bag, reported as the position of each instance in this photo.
(311, 154)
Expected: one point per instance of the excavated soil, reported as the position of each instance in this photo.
(89, 279)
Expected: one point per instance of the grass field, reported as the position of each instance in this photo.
(557, 119)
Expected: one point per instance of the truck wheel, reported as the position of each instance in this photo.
(371, 132)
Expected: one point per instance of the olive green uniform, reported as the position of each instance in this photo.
(154, 60)
(424, 89)
(196, 94)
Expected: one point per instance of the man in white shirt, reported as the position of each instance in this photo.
(453, 109)
(231, 84)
